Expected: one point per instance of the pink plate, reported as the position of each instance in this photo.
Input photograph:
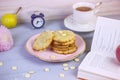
(50, 56)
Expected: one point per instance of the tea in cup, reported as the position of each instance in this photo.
(84, 12)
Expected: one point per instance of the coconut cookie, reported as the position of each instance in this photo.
(63, 47)
(63, 36)
(67, 51)
(43, 41)
(64, 42)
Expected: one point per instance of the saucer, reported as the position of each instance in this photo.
(51, 56)
(73, 25)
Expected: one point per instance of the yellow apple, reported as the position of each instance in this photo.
(9, 20)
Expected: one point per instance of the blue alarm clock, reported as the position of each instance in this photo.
(37, 21)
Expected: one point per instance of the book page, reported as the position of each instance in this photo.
(107, 36)
(89, 76)
(102, 60)
(101, 65)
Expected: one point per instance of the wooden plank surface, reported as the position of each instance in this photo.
(54, 9)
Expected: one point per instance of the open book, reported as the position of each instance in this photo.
(101, 63)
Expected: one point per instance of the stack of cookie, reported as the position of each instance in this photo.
(64, 42)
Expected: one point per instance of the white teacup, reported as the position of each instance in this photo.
(84, 12)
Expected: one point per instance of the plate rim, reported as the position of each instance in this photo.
(43, 59)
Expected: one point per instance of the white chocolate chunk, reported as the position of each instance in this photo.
(27, 75)
(31, 72)
(63, 34)
(61, 75)
(46, 69)
(66, 68)
(72, 67)
(14, 67)
(1, 63)
(76, 59)
(65, 64)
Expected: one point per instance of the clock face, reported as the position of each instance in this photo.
(38, 22)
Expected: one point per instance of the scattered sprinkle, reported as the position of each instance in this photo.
(76, 59)
(47, 69)
(61, 75)
(27, 75)
(1, 63)
(52, 57)
(66, 68)
(65, 64)
(14, 67)
(31, 72)
(72, 67)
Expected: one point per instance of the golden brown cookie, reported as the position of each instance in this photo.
(63, 49)
(63, 43)
(63, 36)
(63, 46)
(43, 41)
(70, 51)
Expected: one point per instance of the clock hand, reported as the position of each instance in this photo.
(37, 22)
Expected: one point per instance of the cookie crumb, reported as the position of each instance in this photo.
(61, 75)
